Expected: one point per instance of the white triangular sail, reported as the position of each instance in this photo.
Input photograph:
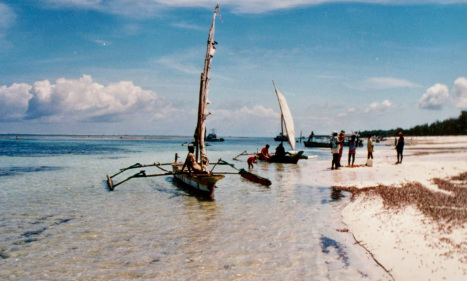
(286, 118)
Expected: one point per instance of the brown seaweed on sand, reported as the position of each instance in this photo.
(448, 209)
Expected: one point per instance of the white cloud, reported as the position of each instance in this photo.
(344, 114)
(14, 101)
(185, 63)
(379, 107)
(76, 3)
(102, 42)
(245, 113)
(459, 93)
(7, 18)
(246, 120)
(262, 6)
(189, 26)
(179, 64)
(382, 83)
(153, 7)
(435, 97)
(80, 100)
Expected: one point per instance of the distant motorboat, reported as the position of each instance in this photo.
(213, 137)
(281, 137)
(325, 141)
(318, 141)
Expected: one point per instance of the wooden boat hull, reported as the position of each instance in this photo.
(288, 159)
(214, 140)
(328, 145)
(281, 138)
(254, 178)
(316, 144)
(202, 184)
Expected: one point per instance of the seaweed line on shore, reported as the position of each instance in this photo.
(447, 210)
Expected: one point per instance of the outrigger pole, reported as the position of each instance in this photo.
(247, 175)
(142, 174)
(243, 153)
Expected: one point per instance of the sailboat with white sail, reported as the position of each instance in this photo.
(197, 176)
(287, 130)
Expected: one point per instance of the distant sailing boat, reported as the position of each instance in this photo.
(287, 124)
(204, 183)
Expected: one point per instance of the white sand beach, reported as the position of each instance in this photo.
(403, 237)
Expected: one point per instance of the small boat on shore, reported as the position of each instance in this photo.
(318, 141)
(287, 159)
(287, 124)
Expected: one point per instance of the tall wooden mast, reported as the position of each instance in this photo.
(203, 94)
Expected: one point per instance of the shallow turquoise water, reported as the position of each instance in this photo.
(60, 222)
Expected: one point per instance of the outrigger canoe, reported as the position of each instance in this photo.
(204, 181)
(200, 183)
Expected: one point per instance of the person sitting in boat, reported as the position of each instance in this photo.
(190, 162)
(250, 161)
(265, 153)
(310, 138)
(280, 151)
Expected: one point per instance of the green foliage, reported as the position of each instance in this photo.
(449, 127)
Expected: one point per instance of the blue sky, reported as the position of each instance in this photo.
(133, 67)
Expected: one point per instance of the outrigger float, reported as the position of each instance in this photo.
(200, 183)
(201, 180)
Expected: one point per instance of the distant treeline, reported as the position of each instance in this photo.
(450, 127)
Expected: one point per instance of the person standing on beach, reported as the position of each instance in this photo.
(400, 148)
(341, 139)
(352, 149)
(334, 151)
(369, 147)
